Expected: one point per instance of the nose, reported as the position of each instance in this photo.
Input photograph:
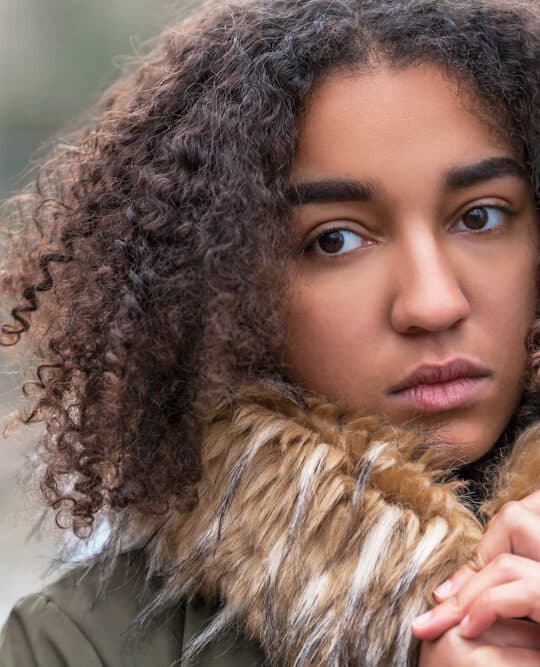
(429, 295)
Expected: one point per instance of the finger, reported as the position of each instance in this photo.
(514, 600)
(515, 529)
(433, 624)
(482, 554)
(452, 649)
(532, 502)
(505, 569)
(513, 633)
(454, 583)
(502, 570)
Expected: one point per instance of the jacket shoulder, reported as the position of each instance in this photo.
(75, 622)
(72, 623)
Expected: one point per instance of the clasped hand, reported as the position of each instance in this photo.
(479, 618)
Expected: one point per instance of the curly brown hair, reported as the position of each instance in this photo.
(154, 269)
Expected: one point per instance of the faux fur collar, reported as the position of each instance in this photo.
(321, 535)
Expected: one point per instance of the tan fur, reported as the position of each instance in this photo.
(323, 535)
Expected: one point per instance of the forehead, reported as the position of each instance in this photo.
(373, 123)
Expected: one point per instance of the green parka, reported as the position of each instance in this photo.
(323, 535)
(69, 625)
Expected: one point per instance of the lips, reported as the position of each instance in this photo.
(436, 388)
(427, 374)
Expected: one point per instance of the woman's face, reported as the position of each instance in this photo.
(415, 227)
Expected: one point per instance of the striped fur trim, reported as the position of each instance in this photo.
(322, 535)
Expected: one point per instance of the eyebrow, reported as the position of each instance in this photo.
(334, 190)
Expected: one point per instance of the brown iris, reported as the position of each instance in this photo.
(332, 242)
(476, 218)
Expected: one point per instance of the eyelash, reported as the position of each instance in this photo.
(309, 245)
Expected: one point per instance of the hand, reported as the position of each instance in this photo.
(501, 581)
(505, 644)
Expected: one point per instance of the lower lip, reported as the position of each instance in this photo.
(442, 395)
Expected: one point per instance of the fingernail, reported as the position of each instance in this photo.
(422, 620)
(445, 590)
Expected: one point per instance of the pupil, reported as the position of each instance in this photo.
(476, 218)
(332, 242)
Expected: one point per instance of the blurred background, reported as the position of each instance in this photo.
(56, 57)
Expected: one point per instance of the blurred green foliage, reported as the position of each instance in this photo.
(56, 57)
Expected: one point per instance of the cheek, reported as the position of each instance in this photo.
(504, 315)
(331, 325)
(511, 303)
(320, 328)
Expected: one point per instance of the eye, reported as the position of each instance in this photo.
(333, 242)
(485, 218)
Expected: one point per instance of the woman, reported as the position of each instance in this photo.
(284, 288)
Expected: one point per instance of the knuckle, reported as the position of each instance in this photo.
(483, 602)
(534, 497)
(525, 528)
(505, 563)
(458, 604)
(511, 512)
(529, 591)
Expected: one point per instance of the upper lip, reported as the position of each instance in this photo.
(433, 373)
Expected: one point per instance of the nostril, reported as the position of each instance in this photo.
(424, 316)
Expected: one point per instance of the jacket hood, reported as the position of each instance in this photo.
(320, 535)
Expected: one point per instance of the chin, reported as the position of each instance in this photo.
(458, 446)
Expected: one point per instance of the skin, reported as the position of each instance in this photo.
(413, 283)
(476, 620)
(413, 280)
